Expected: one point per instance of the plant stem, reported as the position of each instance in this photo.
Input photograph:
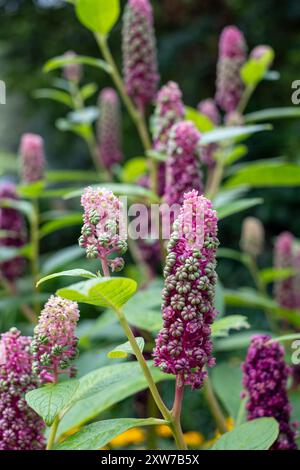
(245, 98)
(214, 406)
(105, 267)
(216, 179)
(176, 413)
(34, 239)
(52, 435)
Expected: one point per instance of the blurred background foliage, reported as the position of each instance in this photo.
(32, 31)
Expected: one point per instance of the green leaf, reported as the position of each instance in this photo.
(96, 435)
(221, 328)
(236, 341)
(231, 254)
(235, 153)
(32, 190)
(260, 175)
(61, 258)
(201, 121)
(281, 339)
(144, 309)
(219, 298)
(134, 169)
(52, 399)
(64, 125)
(275, 274)
(84, 116)
(237, 206)
(61, 176)
(7, 252)
(88, 90)
(227, 383)
(71, 272)
(273, 113)
(104, 292)
(232, 133)
(58, 224)
(98, 15)
(254, 70)
(54, 95)
(24, 207)
(124, 349)
(258, 434)
(120, 189)
(246, 297)
(103, 388)
(61, 61)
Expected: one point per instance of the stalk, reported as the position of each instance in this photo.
(214, 406)
(52, 434)
(34, 239)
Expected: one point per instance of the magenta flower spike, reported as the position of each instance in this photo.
(209, 108)
(183, 346)
(72, 72)
(139, 53)
(20, 427)
(284, 258)
(103, 230)
(32, 158)
(54, 345)
(12, 222)
(182, 167)
(232, 55)
(109, 128)
(265, 376)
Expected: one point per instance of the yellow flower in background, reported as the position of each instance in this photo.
(68, 433)
(193, 438)
(163, 431)
(230, 426)
(132, 436)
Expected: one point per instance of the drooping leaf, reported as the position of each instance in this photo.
(273, 113)
(51, 399)
(258, 434)
(120, 189)
(144, 309)
(98, 15)
(96, 435)
(234, 207)
(221, 328)
(232, 133)
(105, 292)
(61, 61)
(68, 220)
(262, 174)
(124, 349)
(54, 95)
(61, 258)
(69, 273)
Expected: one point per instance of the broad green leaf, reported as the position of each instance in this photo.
(232, 133)
(201, 121)
(64, 125)
(273, 113)
(235, 153)
(227, 383)
(254, 70)
(134, 169)
(105, 292)
(96, 435)
(61, 61)
(262, 175)
(124, 349)
(144, 309)
(52, 399)
(61, 258)
(54, 95)
(58, 224)
(258, 434)
(71, 273)
(104, 387)
(61, 176)
(236, 341)
(120, 189)
(246, 297)
(31, 190)
(234, 207)
(84, 116)
(275, 274)
(231, 254)
(221, 328)
(98, 15)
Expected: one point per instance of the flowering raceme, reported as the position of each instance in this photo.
(101, 232)
(54, 344)
(265, 376)
(208, 108)
(182, 167)
(139, 52)
(32, 158)
(232, 55)
(12, 221)
(183, 346)
(253, 236)
(109, 132)
(20, 427)
(72, 72)
(286, 256)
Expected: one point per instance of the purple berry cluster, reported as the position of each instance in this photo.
(12, 222)
(232, 55)
(32, 158)
(183, 346)
(108, 129)
(265, 376)
(54, 345)
(20, 427)
(101, 232)
(139, 53)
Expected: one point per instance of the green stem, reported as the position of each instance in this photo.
(245, 98)
(214, 406)
(34, 239)
(52, 435)
(216, 179)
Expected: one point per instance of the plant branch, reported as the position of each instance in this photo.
(214, 406)
(53, 431)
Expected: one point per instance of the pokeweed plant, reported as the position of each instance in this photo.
(191, 158)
